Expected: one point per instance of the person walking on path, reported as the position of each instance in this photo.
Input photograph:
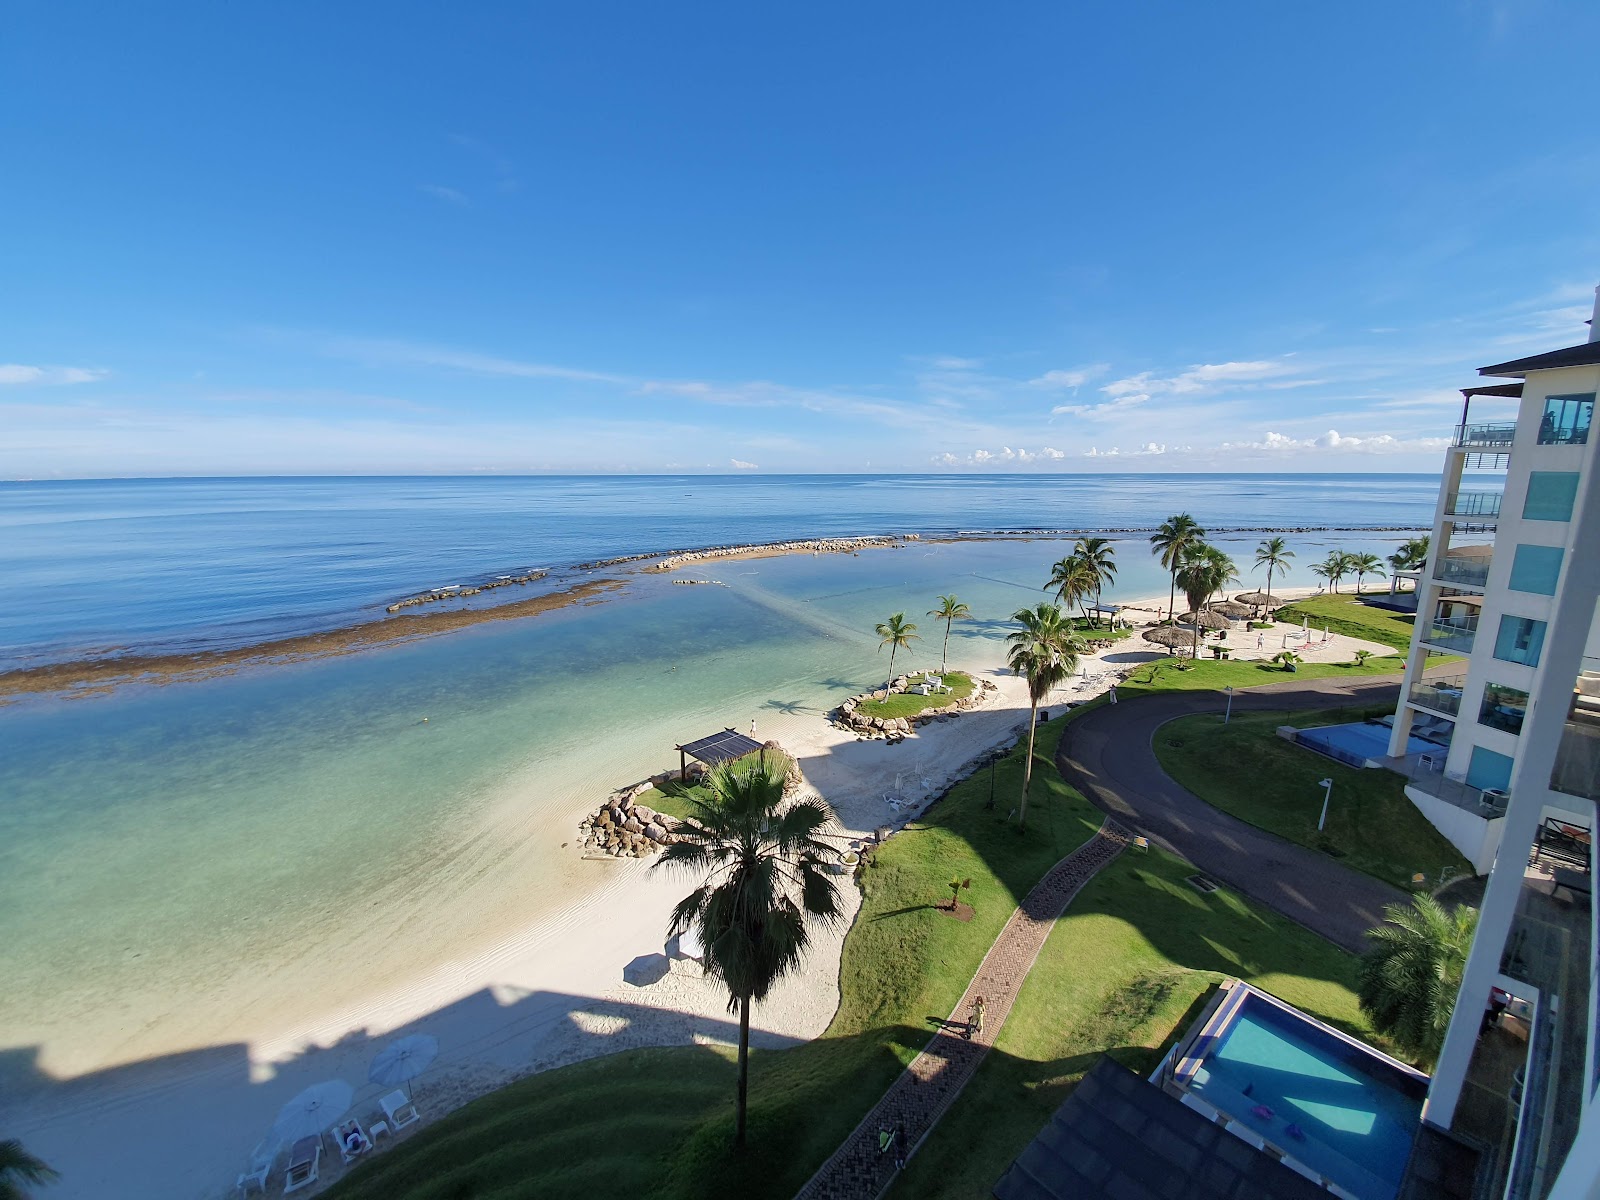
(1261, 640)
(975, 1026)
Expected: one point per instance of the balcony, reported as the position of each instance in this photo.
(1496, 435)
(1454, 635)
(1462, 570)
(1438, 695)
(1483, 505)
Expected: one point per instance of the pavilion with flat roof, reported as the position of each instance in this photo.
(718, 748)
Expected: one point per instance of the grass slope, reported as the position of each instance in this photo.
(1122, 973)
(1246, 770)
(909, 704)
(1343, 613)
(1175, 674)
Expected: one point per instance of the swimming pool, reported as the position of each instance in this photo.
(1355, 743)
(1342, 1110)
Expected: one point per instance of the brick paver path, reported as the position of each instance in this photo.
(922, 1093)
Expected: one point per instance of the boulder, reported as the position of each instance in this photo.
(632, 825)
(655, 833)
(603, 818)
(644, 814)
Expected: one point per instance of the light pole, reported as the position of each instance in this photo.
(1327, 794)
(1227, 715)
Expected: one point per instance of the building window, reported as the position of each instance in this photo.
(1520, 640)
(1489, 769)
(1551, 495)
(1566, 420)
(1503, 708)
(1536, 569)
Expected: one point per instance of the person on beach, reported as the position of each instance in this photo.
(1261, 640)
(975, 1026)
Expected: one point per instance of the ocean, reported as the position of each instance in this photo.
(181, 865)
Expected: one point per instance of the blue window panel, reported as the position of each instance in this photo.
(1551, 495)
(1536, 569)
(1520, 640)
(1489, 769)
(1566, 420)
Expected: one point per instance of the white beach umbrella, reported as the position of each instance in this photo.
(403, 1060)
(313, 1110)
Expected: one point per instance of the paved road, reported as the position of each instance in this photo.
(1108, 755)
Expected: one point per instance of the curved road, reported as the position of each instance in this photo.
(1108, 755)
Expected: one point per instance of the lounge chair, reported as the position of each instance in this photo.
(340, 1134)
(400, 1111)
(304, 1156)
(261, 1160)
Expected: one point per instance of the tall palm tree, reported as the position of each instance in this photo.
(896, 633)
(1100, 557)
(1045, 653)
(765, 880)
(1325, 570)
(18, 1169)
(1174, 536)
(950, 610)
(1364, 565)
(1274, 554)
(1203, 570)
(1223, 569)
(1410, 977)
(1347, 563)
(1072, 580)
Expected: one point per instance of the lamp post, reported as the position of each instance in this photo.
(1228, 715)
(1327, 794)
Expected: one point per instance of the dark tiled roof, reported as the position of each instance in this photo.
(721, 747)
(1118, 1137)
(1510, 391)
(1585, 354)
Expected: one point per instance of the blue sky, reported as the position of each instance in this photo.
(299, 238)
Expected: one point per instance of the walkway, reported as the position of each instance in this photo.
(922, 1093)
(1108, 755)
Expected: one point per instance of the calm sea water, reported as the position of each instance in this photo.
(180, 864)
(87, 566)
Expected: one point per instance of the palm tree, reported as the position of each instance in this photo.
(1325, 570)
(1044, 652)
(1364, 565)
(1274, 554)
(1099, 556)
(1072, 579)
(1346, 563)
(764, 870)
(1333, 568)
(1174, 536)
(1224, 570)
(19, 1168)
(1410, 977)
(950, 610)
(1203, 570)
(896, 633)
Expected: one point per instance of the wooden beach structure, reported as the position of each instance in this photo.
(717, 748)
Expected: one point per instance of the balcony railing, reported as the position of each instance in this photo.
(1462, 570)
(1474, 504)
(1440, 695)
(1577, 769)
(1487, 436)
(1455, 636)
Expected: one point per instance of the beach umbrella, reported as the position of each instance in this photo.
(1232, 609)
(1171, 636)
(313, 1110)
(403, 1060)
(1206, 620)
(1258, 599)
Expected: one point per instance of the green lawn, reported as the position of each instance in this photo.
(909, 704)
(657, 1123)
(1179, 674)
(1343, 613)
(1122, 973)
(1245, 769)
(1090, 631)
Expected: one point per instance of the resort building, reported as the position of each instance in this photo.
(1501, 745)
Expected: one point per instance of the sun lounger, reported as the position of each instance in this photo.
(261, 1160)
(340, 1134)
(304, 1156)
(400, 1111)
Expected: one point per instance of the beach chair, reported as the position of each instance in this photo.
(261, 1160)
(340, 1134)
(400, 1111)
(304, 1157)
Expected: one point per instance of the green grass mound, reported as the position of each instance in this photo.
(1246, 770)
(909, 704)
(1345, 614)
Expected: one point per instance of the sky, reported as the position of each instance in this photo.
(891, 237)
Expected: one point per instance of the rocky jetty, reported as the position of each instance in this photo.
(624, 828)
(849, 715)
(453, 593)
(847, 545)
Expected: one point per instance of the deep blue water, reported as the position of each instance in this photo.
(92, 565)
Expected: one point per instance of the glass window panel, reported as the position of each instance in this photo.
(1566, 420)
(1489, 769)
(1520, 640)
(1551, 495)
(1503, 708)
(1536, 569)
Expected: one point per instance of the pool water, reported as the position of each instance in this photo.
(1357, 742)
(1345, 1112)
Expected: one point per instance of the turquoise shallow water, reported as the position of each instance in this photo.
(181, 862)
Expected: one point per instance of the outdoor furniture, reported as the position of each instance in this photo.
(304, 1156)
(379, 1129)
(1562, 842)
(261, 1160)
(400, 1111)
(1574, 883)
(341, 1138)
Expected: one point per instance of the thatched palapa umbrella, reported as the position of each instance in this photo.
(1232, 609)
(1206, 620)
(1257, 599)
(1172, 637)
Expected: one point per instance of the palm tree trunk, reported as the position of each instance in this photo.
(1269, 580)
(744, 1070)
(893, 647)
(1172, 596)
(944, 656)
(1027, 766)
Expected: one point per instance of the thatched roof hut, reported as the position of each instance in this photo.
(1206, 620)
(1172, 637)
(1232, 609)
(1258, 599)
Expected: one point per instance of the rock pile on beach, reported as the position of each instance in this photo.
(626, 829)
(452, 593)
(850, 716)
(817, 545)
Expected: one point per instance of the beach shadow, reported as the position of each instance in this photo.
(791, 708)
(900, 912)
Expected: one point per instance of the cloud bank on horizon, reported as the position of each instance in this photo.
(729, 261)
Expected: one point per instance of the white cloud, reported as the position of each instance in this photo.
(1052, 452)
(1202, 378)
(1379, 443)
(18, 373)
(1106, 408)
(439, 192)
(1074, 378)
(1146, 450)
(739, 465)
(949, 362)
(992, 458)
